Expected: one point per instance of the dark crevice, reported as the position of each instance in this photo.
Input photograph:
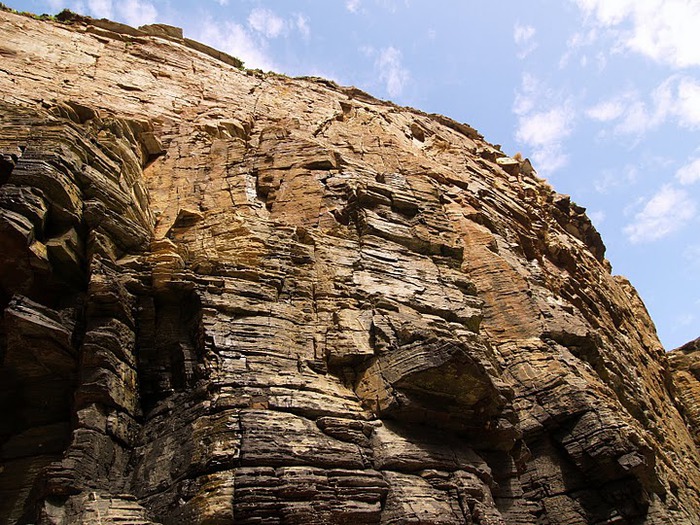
(169, 345)
(7, 164)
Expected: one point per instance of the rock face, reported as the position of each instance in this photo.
(230, 296)
(685, 365)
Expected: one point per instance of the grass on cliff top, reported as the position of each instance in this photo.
(44, 16)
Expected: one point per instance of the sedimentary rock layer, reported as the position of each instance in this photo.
(231, 296)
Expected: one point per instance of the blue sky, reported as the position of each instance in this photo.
(602, 95)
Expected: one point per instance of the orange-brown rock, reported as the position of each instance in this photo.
(685, 368)
(231, 296)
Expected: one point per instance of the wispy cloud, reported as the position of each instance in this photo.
(238, 41)
(251, 41)
(523, 36)
(391, 70)
(352, 5)
(669, 210)
(542, 128)
(664, 30)
(544, 123)
(578, 41)
(690, 173)
(268, 25)
(676, 99)
(687, 104)
(266, 22)
(611, 179)
(639, 115)
(137, 13)
(607, 110)
(57, 5)
(133, 12)
(527, 96)
(100, 8)
(597, 217)
(302, 25)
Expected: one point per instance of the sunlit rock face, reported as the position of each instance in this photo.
(685, 366)
(235, 297)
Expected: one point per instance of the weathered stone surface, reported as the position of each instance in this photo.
(685, 378)
(236, 297)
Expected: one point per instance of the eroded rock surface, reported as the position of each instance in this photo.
(230, 296)
(685, 379)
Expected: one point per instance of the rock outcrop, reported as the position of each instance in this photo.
(685, 384)
(230, 296)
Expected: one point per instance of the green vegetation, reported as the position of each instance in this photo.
(38, 17)
(64, 16)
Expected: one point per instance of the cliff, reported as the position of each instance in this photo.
(230, 296)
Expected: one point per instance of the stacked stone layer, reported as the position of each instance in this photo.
(231, 296)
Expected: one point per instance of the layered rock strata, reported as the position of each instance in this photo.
(231, 296)
(685, 385)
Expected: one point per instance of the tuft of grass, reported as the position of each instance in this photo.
(65, 16)
(38, 17)
(44, 16)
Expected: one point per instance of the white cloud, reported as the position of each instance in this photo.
(549, 158)
(687, 106)
(391, 71)
(250, 42)
(664, 30)
(137, 13)
(266, 22)
(544, 132)
(525, 98)
(690, 173)
(100, 8)
(57, 5)
(588, 37)
(523, 34)
(222, 2)
(523, 37)
(666, 212)
(611, 179)
(597, 217)
(94, 8)
(544, 122)
(608, 13)
(676, 98)
(133, 12)
(302, 25)
(352, 5)
(367, 50)
(637, 118)
(236, 40)
(606, 110)
(545, 127)
(640, 116)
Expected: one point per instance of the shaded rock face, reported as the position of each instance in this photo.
(235, 297)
